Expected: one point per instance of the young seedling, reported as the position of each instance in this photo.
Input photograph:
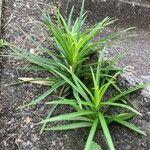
(3, 43)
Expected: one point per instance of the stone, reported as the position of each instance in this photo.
(146, 78)
(129, 79)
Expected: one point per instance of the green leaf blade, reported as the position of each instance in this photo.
(106, 131)
(67, 116)
(91, 135)
(130, 126)
(70, 126)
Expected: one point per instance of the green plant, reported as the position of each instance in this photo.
(68, 66)
(91, 107)
(74, 46)
(3, 43)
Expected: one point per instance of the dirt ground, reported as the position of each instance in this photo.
(17, 129)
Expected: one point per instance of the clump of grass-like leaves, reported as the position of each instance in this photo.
(3, 43)
(90, 106)
(74, 46)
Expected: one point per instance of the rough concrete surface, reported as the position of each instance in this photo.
(128, 12)
(17, 126)
(136, 51)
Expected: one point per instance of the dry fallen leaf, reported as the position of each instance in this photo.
(36, 81)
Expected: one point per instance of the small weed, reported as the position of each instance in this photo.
(3, 43)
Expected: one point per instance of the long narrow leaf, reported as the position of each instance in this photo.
(106, 131)
(70, 126)
(64, 101)
(130, 126)
(41, 97)
(122, 116)
(48, 116)
(67, 116)
(91, 135)
(121, 105)
(130, 90)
